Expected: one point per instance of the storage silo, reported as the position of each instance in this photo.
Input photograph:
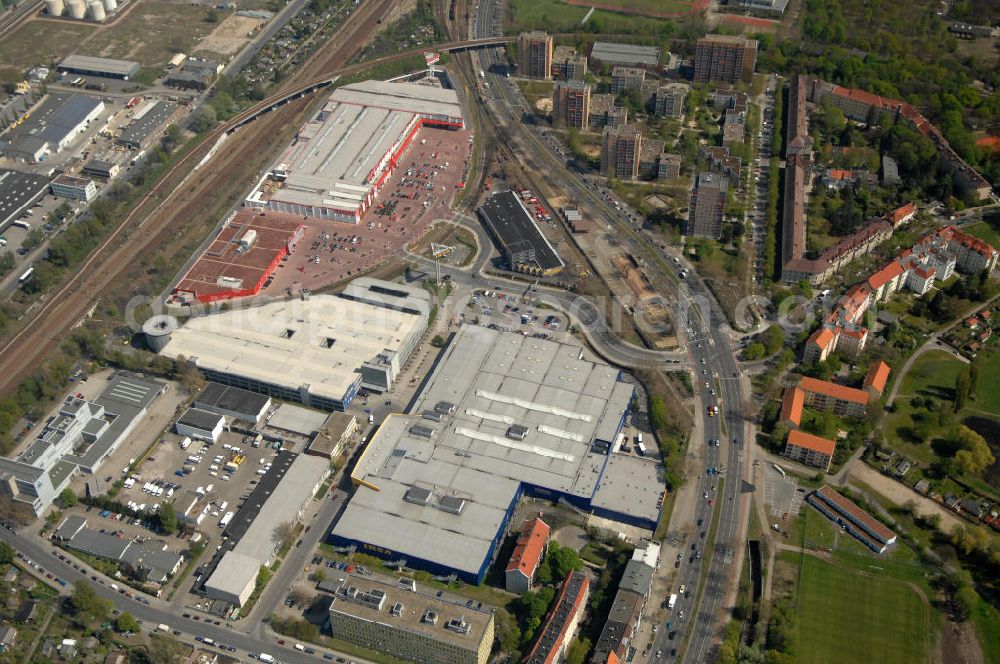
(96, 10)
(54, 7)
(157, 331)
(110, 5)
(76, 8)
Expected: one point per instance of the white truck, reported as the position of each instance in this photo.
(163, 628)
(264, 657)
(672, 602)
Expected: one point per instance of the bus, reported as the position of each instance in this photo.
(27, 275)
(779, 469)
(21, 223)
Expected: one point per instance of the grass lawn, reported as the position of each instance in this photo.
(984, 231)
(987, 398)
(886, 620)
(932, 374)
(556, 16)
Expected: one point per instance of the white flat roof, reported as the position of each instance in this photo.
(234, 573)
(333, 154)
(320, 342)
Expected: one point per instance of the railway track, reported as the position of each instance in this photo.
(18, 16)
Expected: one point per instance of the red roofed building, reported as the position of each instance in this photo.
(855, 520)
(886, 281)
(809, 449)
(903, 214)
(973, 255)
(972, 322)
(920, 279)
(874, 383)
(527, 555)
(791, 406)
(842, 400)
(562, 621)
(819, 346)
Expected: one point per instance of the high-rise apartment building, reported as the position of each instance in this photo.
(571, 104)
(708, 205)
(568, 64)
(621, 149)
(726, 58)
(669, 100)
(627, 78)
(534, 54)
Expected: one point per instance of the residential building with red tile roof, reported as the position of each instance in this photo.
(528, 554)
(903, 214)
(886, 281)
(563, 619)
(791, 406)
(876, 378)
(809, 449)
(840, 399)
(855, 520)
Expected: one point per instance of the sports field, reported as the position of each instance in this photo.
(847, 617)
(558, 16)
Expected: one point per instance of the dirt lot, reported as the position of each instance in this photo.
(231, 35)
(331, 251)
(900, 494)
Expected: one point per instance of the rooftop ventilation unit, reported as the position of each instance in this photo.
(430, 617)
(431, 415)
(422, 431)
(444, 407)
(397, 609)
(451, 504)
(458, 625)
(517, 432)
(417, 496)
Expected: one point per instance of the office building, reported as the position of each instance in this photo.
(708, 206)
(621, 150)
(502, 416)
(669, 100)
(571, 105)
(410, 624)
(74, 188)
(725, 58)
(81, 436)
(534, 54)
(809, 449)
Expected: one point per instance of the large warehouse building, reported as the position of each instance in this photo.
(50, 126)
(106, 67)
(340, 159)
(502, 415)
(318, 351)
(18, 192)
(518, 237)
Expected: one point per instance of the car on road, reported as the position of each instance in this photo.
(659, 653)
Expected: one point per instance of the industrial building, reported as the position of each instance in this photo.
(502, 415)
(148, 560)
(628, 55)
(518, 237)
(340, 159)
(534, 53)
(246, 252)
(331, 439)
(317, 351)
(232, 402)
(254, 528)
(79, 438)
(148, 123)
(708, 206)
(560, 625)
(50, 127)
(409, 624)
(102, 168)
(18, 192)
(200, 424)
(79, 189)
(193, 74)
(86, 65)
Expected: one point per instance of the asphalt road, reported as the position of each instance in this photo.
(712, 357)
(251, 49)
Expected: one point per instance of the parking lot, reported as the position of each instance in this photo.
(782, 495)
(507, 312)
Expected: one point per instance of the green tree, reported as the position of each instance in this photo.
(963, 382)
(562, 560)
(754, 351)
(86, 605)
(165, 649)
(6, 553)
(577, 651)
(167, 517)
(126, 622)
(437, 341)
(657, 412)
(67, 498)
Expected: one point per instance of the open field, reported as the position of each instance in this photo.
(41, 42)
(557, 16)
(932, 374)
(654, 8)
(886, 619)
(151, 33)
(987, 397)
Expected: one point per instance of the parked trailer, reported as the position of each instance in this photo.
(27, 275)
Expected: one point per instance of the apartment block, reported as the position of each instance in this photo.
(668, 167)
(604, 113)
(809, 449)
(839, 399)
(627, 78)
(562, 621)
(708, 205)
(571, 104)
(568, 64)
(534, 53)
(725, 58)
(669, 100)
(621, 149)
